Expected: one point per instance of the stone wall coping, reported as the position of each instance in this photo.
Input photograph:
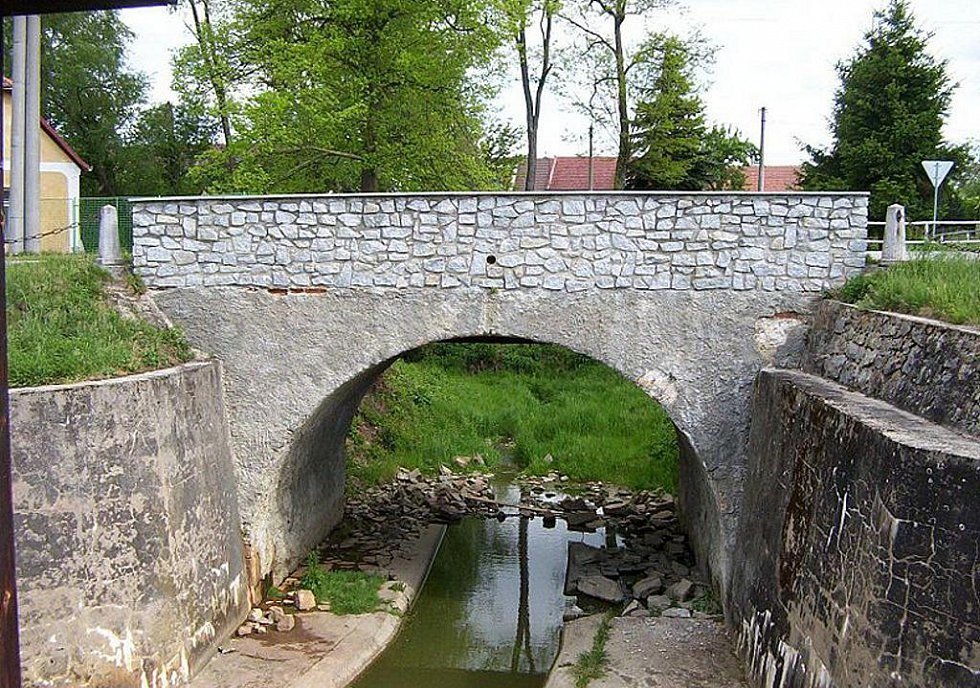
(519, 194)
(896, 424)
(918, 319)
(173, 371)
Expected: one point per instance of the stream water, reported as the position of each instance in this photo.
(490, 612)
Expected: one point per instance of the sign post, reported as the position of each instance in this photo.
(936, 170)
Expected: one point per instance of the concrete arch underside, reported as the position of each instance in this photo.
(297, 365)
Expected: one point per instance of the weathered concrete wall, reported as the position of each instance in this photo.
(296, 366)
(929, 368)
(554, 242)
(129, 552)
(857, 543)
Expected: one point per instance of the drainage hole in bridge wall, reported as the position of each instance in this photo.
(491, 260)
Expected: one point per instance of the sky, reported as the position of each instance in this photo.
(780, 54)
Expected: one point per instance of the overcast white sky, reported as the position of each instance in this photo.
(774, 53)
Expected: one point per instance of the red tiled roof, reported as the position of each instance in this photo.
(569, 174)
(778, 178)
(8, 85)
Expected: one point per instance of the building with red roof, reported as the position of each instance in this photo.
(61, 169)
(778, 178)
(569, 174)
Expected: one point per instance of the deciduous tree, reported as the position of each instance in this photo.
(89, 93)
(601, 23)
(357, 95)
(519, 16)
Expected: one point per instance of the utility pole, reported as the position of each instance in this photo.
(32, 138)
(10, 675)
(762, 152)
(591, 158)
(15, 222)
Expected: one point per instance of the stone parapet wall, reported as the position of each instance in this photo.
(648, 241)
(857, 543)
(129, 550)
(924, 366)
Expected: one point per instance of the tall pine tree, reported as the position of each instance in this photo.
(674, 146)
(888, 118)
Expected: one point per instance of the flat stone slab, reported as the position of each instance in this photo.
(324, 650)
(653, 653)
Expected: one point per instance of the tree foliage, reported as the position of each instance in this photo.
(674, 146)
(613, 64)
(888, 117)
(165, 144)
(89, 93)
(355, 95)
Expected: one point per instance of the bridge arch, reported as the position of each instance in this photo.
(293, 385)
(303, 297)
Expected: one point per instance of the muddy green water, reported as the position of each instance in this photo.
(490, 612)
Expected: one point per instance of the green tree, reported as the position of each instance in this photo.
(88, 93)
(601, 23)
(356, 95)
(888, 117)
(207, 71)
(165, 144)
(673, 144)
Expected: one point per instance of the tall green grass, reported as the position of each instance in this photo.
(545, 407)
(943, 285)
(62, 329)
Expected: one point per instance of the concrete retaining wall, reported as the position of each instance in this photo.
(129, 553)
(857, 543)
(553, 242)
(927, 367)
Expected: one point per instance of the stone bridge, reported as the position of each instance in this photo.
(306, 300)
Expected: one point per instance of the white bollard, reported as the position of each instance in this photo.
(894, 249)
(110, 254)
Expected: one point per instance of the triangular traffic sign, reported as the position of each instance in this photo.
(937, 170)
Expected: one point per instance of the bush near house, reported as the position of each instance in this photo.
(62, 328)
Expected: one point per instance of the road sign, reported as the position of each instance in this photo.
(937, 170)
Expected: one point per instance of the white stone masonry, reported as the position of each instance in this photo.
(567, 242)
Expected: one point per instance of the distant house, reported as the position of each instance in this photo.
(778, 178)
(569, 174)
(61, 169)
(572, 174)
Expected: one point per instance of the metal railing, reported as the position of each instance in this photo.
(901, 240)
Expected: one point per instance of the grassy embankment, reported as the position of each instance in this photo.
(61, 327)
(944, 286)
(546, 407)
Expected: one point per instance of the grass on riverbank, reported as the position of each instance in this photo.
(61, 327)
(942, 286)
(591, 664)
(347, 592)
(546, 407)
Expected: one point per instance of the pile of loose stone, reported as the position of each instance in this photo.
(653, 571)
(274, 614)
(380, 522)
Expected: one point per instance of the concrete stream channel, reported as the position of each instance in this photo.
(490, 600)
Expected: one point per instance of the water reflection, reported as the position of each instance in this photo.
(490, 613)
